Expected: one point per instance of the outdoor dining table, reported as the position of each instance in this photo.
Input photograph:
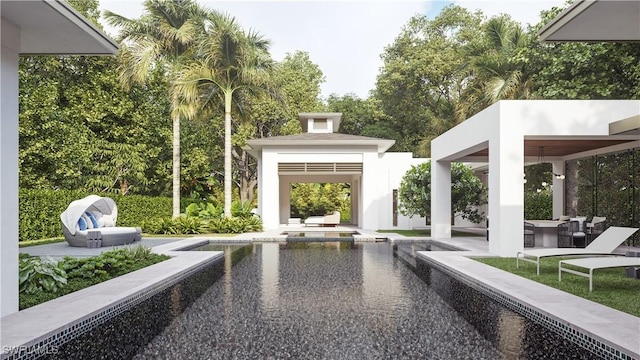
(546, 232)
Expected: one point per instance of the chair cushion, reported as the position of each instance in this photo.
(580, 220)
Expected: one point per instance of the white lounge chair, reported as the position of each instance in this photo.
(604, 244)
(596, 263)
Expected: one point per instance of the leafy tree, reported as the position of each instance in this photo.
(578, 70)
(230, 61)
(309, 199)
(80, 130)
(163, 37)
(359, 116)
(423, 77)
(298, 82)
(467, 192)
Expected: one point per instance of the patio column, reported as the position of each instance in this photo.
(558, 190)
(9, 59)
(270, 191)
(441, 199)
(506, 188)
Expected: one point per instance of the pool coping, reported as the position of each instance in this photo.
(606, 331)
(24, 333)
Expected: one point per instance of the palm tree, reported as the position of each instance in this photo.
(164, 36)
(230, 61)
(496, 72)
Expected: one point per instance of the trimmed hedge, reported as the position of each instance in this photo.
(40, 209)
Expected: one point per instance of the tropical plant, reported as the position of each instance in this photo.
(40, 274)
(498, 70)
(241, 209)
(164, 36)
(203, 210)
(467, 192)
(230, 63)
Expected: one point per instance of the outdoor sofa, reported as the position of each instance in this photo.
(332, 219)
(94, 218)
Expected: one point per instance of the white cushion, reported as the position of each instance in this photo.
(108, 220)
(580, 220)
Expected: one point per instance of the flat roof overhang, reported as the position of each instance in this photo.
(53, 27)
(628, 126)
(595, 21)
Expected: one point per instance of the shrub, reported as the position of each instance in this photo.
(235, 225)
(84, 272)
(538, 205)
(241, 209)
(40, 274)
(40, 209)
(204, 210)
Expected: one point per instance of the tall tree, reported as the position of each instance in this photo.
(423, 76)
(231, 63)
(496, 69)
(164, 36)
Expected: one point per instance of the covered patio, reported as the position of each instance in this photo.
(510, 134)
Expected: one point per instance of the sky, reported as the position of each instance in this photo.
(344, 38)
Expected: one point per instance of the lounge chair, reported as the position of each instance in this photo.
(596, 263)
(83, 218)
(604, 244)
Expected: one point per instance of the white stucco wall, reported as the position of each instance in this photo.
(502, 128)
(372, 191)
(9, 167)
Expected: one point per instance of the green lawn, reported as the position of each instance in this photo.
(426, 232)
(611, 287)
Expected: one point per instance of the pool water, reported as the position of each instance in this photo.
(344, 300)
(319, 301)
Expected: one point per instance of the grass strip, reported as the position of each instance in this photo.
(611, 287)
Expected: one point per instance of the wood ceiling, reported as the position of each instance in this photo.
(557, 148)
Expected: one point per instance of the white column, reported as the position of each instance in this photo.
(9, 167)
(558, 189)
(285, 198)
(369, 191)
(506, 188)
(270, 191)
(440, 199)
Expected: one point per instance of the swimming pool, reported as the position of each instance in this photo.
(319, 300)
(343, 300)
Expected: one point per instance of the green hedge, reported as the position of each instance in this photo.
(40, 209)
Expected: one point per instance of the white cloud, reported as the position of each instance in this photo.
(345, 38)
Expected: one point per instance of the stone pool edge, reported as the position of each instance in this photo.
(30, 332)
(607, 332)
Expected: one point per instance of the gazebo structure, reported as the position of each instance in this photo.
(42, 28)
(322, 155)
(509, 133)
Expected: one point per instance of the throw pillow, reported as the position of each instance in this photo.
(89, 223)
(108, 220)
(82, 223)
(93, 220)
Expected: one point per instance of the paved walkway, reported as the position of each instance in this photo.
(62, 249)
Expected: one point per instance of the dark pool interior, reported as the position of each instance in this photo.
(321, 300)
